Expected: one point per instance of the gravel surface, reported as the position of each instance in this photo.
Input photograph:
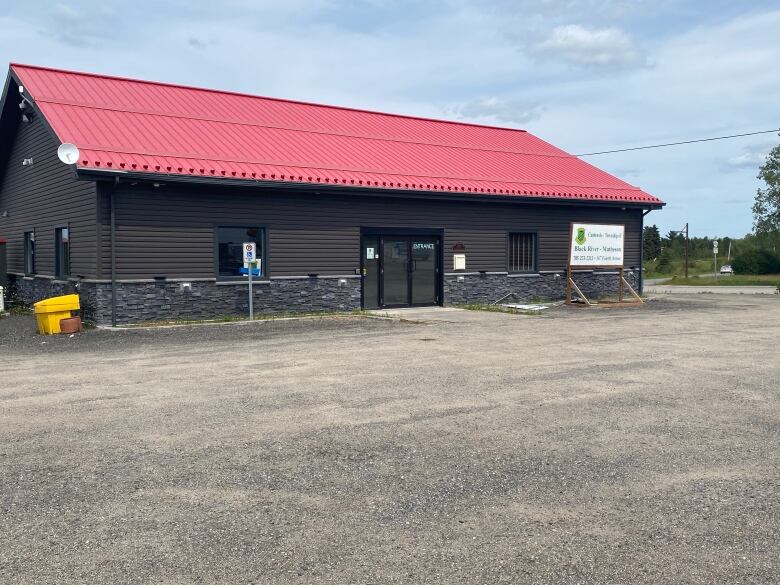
(583, 446)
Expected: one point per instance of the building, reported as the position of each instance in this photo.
(348, 208)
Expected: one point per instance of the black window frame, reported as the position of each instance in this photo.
(61, 258)
(264, 267)
(29, 253)
(534, 255)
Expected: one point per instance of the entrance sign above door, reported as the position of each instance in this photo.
(596, 245)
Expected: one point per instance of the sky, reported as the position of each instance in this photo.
(585, 75)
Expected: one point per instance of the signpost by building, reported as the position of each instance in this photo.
(250, 257)
(592, 246)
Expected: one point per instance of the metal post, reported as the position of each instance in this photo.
(715, 257)
(686, 251)
(251, 308)
(113, 255)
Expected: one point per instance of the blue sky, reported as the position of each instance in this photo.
(585, 75)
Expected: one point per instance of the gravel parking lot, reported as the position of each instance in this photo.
(582, 446)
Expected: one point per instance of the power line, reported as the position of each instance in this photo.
(679, 143)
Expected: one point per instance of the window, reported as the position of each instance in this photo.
(230, 255)
(61, 252)
(29, 252)
(522, 253)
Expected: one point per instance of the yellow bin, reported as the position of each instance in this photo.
(48, 312)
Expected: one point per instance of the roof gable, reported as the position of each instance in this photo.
(137, 126)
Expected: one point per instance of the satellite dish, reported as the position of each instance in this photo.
(68, 153)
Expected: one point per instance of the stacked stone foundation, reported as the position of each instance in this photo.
(140, 301)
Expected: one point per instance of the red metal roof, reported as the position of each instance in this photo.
(128, 125)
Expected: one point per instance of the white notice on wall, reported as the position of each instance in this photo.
(596, 245)
(369, 253)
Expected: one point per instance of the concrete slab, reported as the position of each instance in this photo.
(441, 314)
(719, 290)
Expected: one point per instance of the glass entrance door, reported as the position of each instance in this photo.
(370, 261)
(423, 271)
(395, 272)
(400, 271)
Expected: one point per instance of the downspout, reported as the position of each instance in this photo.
(642, 252)
(113, 252)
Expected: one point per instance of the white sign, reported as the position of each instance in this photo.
(715, 246)
(250, 249)
(459, 261)
(594, 244)
(369, 253)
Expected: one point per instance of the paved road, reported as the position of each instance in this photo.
(718, 290)
(627, 445)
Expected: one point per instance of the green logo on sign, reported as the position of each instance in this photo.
(580, 239)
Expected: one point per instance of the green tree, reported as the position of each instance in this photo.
(766, 209)
(664, 265)
(651, 242)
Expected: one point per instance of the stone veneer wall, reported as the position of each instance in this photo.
(146, 301)
(490, 287)
(26, 290)
(150, 300)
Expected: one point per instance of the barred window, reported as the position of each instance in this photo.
(522, 252)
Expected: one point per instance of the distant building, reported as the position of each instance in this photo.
(348, 208)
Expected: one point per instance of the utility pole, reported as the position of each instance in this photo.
(686, 251)
(684, 231)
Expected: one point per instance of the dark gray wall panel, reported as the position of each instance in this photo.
(44, 196)
(170, 232)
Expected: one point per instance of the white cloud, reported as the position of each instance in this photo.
(608, 48)
(80, 27)
(497, 109)
(751, 158)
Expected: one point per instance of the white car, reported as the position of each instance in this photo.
(726, 269)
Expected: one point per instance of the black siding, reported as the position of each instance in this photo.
(42, 197)
(168, 231)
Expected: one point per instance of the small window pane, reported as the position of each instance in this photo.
(229, 250)
(62, 252)
(522, 252)
(29, 252)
